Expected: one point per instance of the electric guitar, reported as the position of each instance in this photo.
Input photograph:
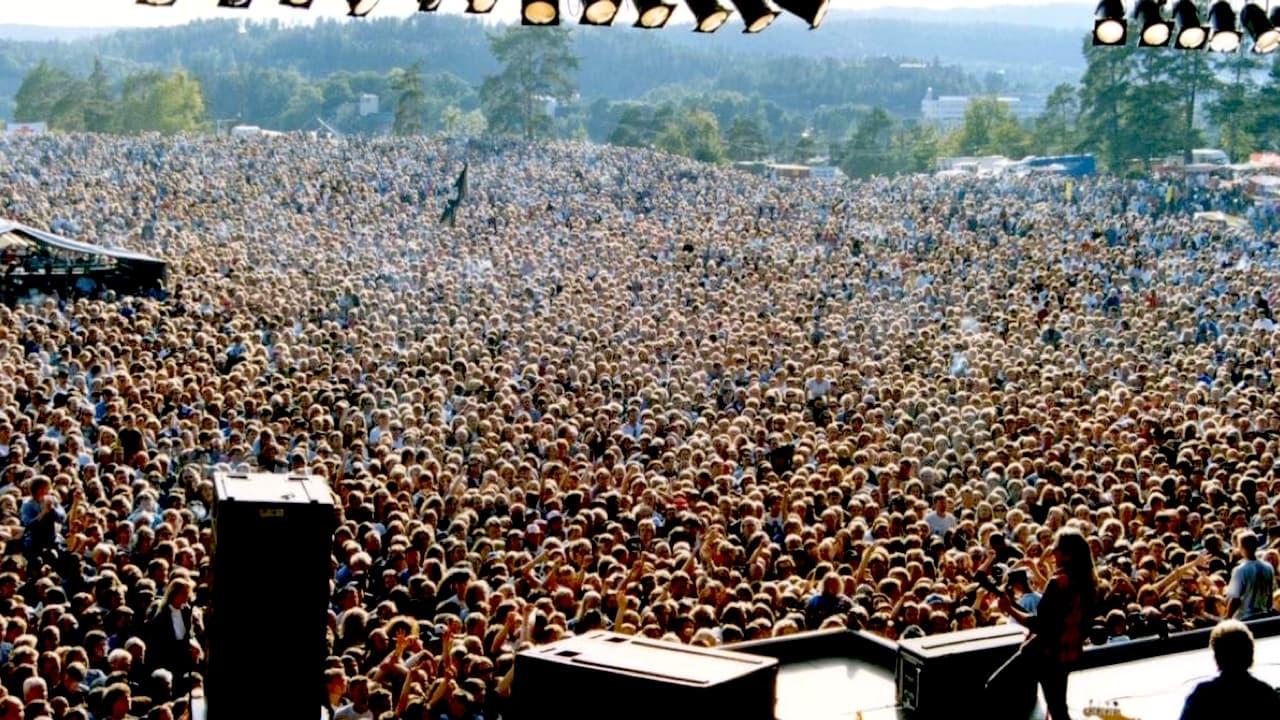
(1106, 712)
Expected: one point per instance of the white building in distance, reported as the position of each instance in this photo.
(947, 111)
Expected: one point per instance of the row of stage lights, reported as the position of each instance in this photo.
(1184, 30)
(710, 15)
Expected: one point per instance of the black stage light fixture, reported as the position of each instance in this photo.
(756, 14)
(653, 14)
(300, 4)
(157, 3)
(239, 4)
(599, 12)
(360, 8)
(1191, 32)
(811, 11)
(428, 5)
(539, 12)
(1109, 25)
(1223, 35)
(480, 7)
(1156, 31)
(709, 14)
(1265, 36)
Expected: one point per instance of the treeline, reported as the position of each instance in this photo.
(1131, 108)
(142, 102)
(1138, 105)
(297, 64)
(867, 142)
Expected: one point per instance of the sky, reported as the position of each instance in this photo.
(126, 13)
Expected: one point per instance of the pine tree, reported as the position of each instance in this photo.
(538, 64)
(410, 100)
(1104, 102)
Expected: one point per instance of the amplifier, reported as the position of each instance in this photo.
(269, 596)
(601, 674)
(943, 676)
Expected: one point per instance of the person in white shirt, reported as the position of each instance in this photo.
(940, 519)
(818, 386)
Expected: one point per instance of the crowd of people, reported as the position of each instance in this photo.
(617, 390)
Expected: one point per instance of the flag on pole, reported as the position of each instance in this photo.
(460, 185)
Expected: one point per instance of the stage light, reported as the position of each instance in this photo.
(756, 14)
(653, 13)
(1109, 26)
(360, 8)
(1156, 31)
(428, 5)
(811, 11)
(539, 12)
(1265, 36)
(709, 14)
(300, 4)
(157, 3)
(599, 12)
(238, 4)
(1223, 36)
(480, 7)
(1191, 33)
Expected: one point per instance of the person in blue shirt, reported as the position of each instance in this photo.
(41, 515)
(831, 601)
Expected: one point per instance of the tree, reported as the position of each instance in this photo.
(303, 106)
(1055, 130)
(694, 134)
(918, 144)
(634, 128)
(99, 107)
(153, 101)
(804, 149)
(410, 100)
(44, 91)
(457, 122)
(1152, 109)
(1103, 101)
(1233, 109)
(1193, 73)
(867, 151)
(1265, 119)
(990, 129)
(537, 66)
(746, 139)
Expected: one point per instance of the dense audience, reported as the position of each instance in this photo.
(619, 391)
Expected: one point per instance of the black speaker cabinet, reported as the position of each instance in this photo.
(603, 675)
(269, 598)
(943, 676)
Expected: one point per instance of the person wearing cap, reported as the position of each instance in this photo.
(1253, 581)
(1235, 691)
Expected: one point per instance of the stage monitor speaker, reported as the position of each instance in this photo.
(943, 676)
(269, 598)
(604, 675)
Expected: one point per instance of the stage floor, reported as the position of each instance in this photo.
(1153, 689)
(835, 689)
